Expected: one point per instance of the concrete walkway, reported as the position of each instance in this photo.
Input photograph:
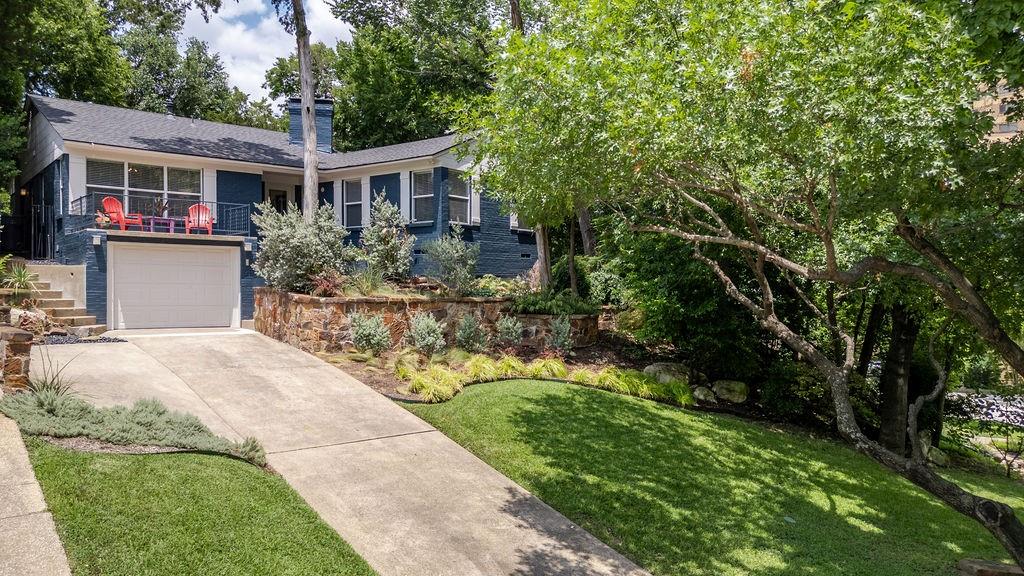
(29, 545)
(407, 498)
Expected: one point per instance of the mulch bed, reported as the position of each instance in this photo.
(611, 349)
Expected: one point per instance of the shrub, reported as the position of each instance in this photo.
(470, 334)
(560, 338)
(328, 283)
(509, 330)
(387, 245)
(490, 285)
(606, 287)
(147, 422)
(454, 260)
(370, 334)
(560, 277)
(293, 251)
(555, 304)
(425, 334)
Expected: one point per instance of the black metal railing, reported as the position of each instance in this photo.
(159, 213)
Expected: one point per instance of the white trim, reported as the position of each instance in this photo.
(367, 199)
(413, 196)
(405, 195)
(474, 203)
(468, 179)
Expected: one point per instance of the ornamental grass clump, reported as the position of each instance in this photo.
(470, 334)
(481, 368)
(370, 333)
(437, 383)
(547, 368)
(511, 367)
(425, 334)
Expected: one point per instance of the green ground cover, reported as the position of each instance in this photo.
(685, 493)
(173, 514)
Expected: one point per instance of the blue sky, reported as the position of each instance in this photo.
(249, 38)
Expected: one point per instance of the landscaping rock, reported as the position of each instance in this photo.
(665, 372)
(969, 567)
(937, 457)
(705, 395)
(731, 390)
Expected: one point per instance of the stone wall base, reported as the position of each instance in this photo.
(323, 324)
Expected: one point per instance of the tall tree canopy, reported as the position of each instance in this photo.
(815, 143)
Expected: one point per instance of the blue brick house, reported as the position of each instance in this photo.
(81, 155)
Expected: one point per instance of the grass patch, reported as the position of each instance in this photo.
(147, 422)
(178, 514)
(704, 494)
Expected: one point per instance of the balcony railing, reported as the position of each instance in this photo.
(161, 213)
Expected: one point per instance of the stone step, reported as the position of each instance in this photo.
(64, 312)
(38, 285)
(47, 294)
(77, 320)
(46, 303)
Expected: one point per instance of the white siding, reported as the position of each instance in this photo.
(76, 176)
(210, 184)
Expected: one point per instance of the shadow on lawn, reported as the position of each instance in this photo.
(705, 494)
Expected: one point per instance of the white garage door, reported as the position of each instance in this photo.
(172, 285)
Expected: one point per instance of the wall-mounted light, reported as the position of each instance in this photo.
(96, 241)
(23, 192)
(248, 246)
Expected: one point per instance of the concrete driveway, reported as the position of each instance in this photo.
(407, 498)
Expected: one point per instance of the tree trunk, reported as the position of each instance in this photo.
(894, 383)
(516, 16)
(833, 314)
(996, 517)
(309, 151)
(543, 257)
(867, 348)
(571, 259)
(587, 232)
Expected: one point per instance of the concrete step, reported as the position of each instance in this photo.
(39, 285)
(47, 294)
(64, 312)
(77, 320)
(46, 303)
(87, 330)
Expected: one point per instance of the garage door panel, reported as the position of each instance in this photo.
(172, 286)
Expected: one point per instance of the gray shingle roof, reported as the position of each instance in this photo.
(125, 128)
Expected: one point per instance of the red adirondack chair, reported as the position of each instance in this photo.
(199, 217)
(112, 207)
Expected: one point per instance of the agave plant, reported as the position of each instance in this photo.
(19, 279)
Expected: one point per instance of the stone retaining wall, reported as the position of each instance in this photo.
(15, 352)
(322, 324)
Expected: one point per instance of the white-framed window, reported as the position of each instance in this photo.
(423, 196)
(352, 198)
(459, 195)
(148, 189)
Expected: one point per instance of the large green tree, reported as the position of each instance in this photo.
(821, 143)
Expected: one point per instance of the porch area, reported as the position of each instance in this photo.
(157, 214)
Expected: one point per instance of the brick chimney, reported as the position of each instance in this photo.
(324, 114)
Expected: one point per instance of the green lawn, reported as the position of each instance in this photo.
(685, 493)
(176, 514)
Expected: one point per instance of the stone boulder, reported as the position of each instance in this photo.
(937, 457)
(704, 395)
(665, 372)
(731, 390)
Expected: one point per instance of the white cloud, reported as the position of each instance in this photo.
(248, 37)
